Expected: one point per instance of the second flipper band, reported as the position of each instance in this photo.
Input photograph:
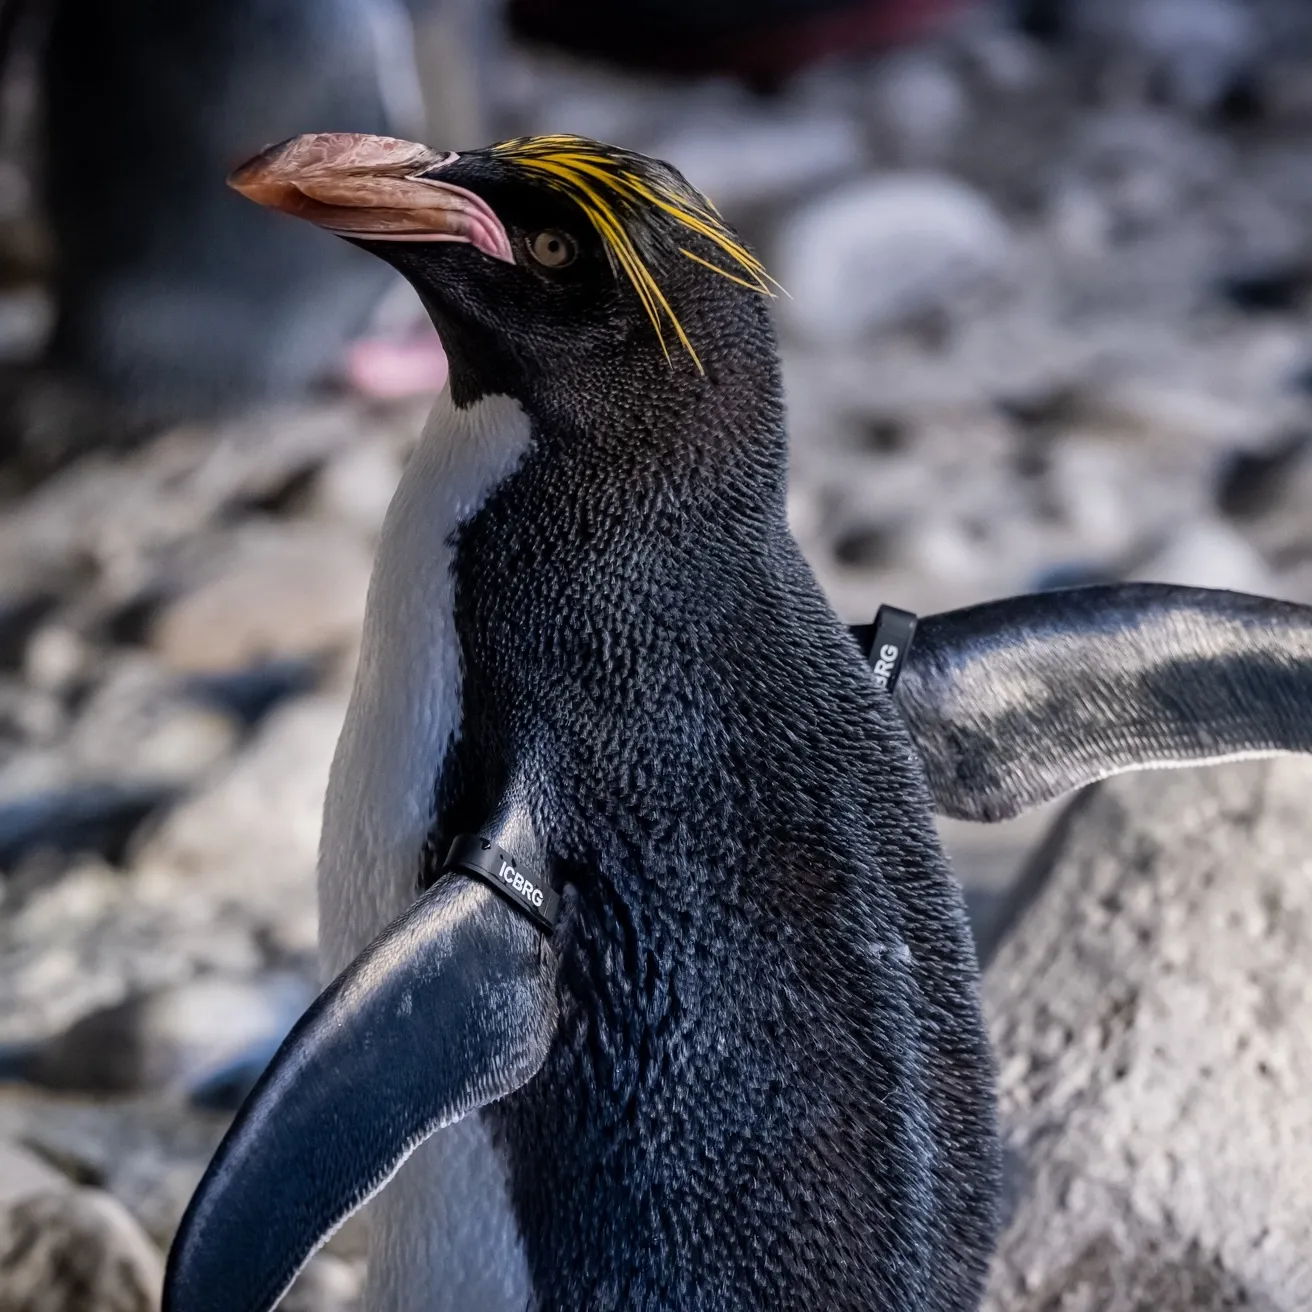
(890, 641)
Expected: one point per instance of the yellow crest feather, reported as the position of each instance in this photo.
(613, 188)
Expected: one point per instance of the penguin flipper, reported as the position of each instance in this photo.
(450, 1008)
(1013, 703)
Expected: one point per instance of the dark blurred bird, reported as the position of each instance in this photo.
(702, 1027)
(174, 298)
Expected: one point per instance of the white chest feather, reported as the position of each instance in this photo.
(405, 706)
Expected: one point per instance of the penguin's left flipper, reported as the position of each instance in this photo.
(450, 1008)
(1015, 702)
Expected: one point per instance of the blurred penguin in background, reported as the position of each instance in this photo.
(173, 297)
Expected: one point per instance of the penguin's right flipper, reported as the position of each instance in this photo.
(1015, 702)
(452, 1007)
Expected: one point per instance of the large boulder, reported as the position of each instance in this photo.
(1152, 1013)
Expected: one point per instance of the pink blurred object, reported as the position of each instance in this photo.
(393, 368)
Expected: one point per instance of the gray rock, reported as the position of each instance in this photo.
(256, 459)
(287, 591)
(38, 830)
(55, 657)
(1197, 48)
(93, 937)
(920, 104)
(250, 839)
(328, 1284)
(1150, 170)
(1089, 485)
(26, 317)
(740, 159)
(173, 1041)
(1150, 1017)
(74, 1250)
(1207, 553)
(119, 517)
(356, 486)
(988, 860)
(149, 1153)
(35, 717)
(136, 725)
(23, 1173)
(1004, 59)
(882, 249)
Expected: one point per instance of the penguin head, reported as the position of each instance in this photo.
(538, 259)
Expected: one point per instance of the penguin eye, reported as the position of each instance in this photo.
(553, 248)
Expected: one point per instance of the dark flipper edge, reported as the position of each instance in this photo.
(450, 1008)
(1016, 702)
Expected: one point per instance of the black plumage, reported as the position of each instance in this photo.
(770, 1085)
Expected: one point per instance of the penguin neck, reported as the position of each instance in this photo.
(642, 411)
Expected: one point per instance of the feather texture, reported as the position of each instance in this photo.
(630, 199)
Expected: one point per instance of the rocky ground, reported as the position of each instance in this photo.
(1150, 1017)
(1049, 322)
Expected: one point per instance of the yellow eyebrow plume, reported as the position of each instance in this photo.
(613, 188)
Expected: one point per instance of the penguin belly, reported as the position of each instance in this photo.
(444, 1239)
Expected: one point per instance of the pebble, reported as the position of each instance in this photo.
(1150, 404)
(883, 249)
(1208, 554)
(293, 591)
(23, 1173)
(26, 317)
(740, 160)
(1086, 480)
(250, 693)
(140, 724)
(76, 1250)
(1252, 483)
(1197, 48)
(173, 1041)
(920, 104)
(252, 460)
(251, 837)
(1006, 60)
(136, 727)
(356, 486)
(147, 1152)
(73, 820)
(56, 656)
(91, 936)
(21, 615)
(328, 1284)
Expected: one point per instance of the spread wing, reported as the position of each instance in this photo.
(1016, 702)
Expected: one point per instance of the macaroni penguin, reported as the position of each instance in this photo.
(652, 987)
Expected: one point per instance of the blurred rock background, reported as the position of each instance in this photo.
(1050, 322)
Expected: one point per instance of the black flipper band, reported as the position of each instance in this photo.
(891, 637)
(471, 854)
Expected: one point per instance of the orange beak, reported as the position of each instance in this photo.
(372, 188)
